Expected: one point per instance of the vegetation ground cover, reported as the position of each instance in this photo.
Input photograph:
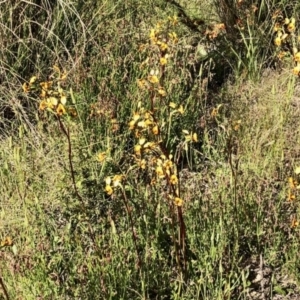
(149, 150)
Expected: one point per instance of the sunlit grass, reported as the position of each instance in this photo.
(131, 168)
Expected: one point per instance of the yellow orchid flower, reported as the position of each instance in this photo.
(173, 179)
(178, 201)
(60, 109)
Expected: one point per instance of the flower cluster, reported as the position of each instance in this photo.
(284, 30)
(112, 183)
(143, 122)
(151, 122)
(293, 188)
(162, 40)
(286, 41)
(160, 36)
(51, 94)
(149, 153)
(151, 160)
